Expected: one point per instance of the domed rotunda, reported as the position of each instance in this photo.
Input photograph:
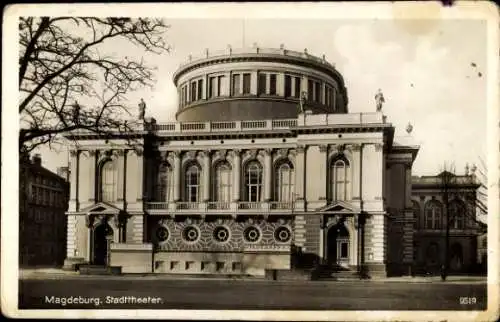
(256, 84)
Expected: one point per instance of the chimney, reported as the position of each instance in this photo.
(37, 159)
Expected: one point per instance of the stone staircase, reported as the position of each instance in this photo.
(86, 269)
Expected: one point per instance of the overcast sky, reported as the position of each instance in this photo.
(432, 73)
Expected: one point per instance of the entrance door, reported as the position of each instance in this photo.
(101, 243)
(338, 245)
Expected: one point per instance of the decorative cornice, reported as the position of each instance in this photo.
(261, 57)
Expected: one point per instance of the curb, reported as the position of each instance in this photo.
(76, 276)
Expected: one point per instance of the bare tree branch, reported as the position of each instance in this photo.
(60, 63)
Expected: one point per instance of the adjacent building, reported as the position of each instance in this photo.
(266, 168)
(43, 201)
(445, 200)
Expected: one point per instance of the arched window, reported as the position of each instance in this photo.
(457, 214)
(339, 179)
(284, 182)
(192, 183)
(416, 214)
(432, 254)
(222, 183)
(108, 181)
(433, 215)
(253, 182)
(164, 184)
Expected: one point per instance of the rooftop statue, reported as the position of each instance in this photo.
(380, 100)
(142, 109)
(302, 101)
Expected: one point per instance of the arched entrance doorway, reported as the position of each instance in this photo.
(338, 245)
(100, 243)
(456, 258)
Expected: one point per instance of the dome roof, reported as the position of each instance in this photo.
(257, 83)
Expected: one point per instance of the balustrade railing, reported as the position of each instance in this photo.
(218, 205)
(281, 205)
(188, 205)
(156, 205)
(251, 205)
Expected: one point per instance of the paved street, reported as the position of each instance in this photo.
(249, 295)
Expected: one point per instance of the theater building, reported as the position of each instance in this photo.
(264, 167)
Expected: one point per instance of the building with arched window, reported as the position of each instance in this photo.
(265, 163)
(440, 202)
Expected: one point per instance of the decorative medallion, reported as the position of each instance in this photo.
(191, 234)
(221, 234)
(251, 234)
(162, 234)
(282, 234)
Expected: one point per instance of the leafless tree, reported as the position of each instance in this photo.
(467, 189)
(67, 81)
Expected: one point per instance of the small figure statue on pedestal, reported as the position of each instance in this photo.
(76, 112)
(142, 109)
(302, 101)
(379, 98)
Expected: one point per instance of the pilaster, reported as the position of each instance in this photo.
(300, 172)
(74, 164)
(323, 173)
(92, 175)
(268, 174)
(206, 175)
(177, 175)
(356, 171)
(237, 174)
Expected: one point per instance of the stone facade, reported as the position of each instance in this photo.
(43, 200)
(231, 195)
(440, 201)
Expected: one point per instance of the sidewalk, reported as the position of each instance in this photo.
(55, 273)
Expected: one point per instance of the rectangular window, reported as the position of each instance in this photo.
(236, 266)
(246, 83)
(317, 92)
(189, 265)
(272, 84)
(205, 266)
(236, 84)
(297, 87)
(327, 97)
(310, 90)
(262, 83)
(222, 88)
(220, 266)
(200, 89)
(174, 265)
(193, 91)
(212, 87)
(288, 86)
